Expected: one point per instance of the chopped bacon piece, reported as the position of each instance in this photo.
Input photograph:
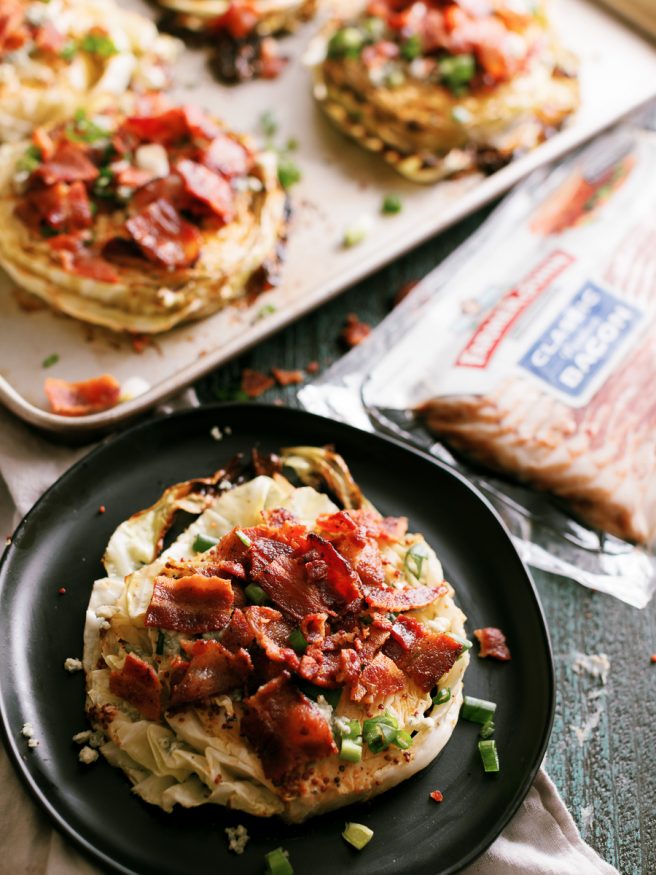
(81, 399)
(278, 516)
(213, 670)
(286, 729)
(329, 663)
(366, 522)
(408, 599)
(239, 20)
(170, 188)
(271, 631)
(94, 267)
(492, 642)
(48, 39)
(255, 383)
(272, 63)
(62, 207)
(326, 567)
(354, 331)
(282, 575)
(313, 627)
(238, 633)
(165, 237)
(191, 604)
(436, 796)
(380, 678)
(139, 685)
(423, 655)
(134, 177)
(287, 378)
(226, 156)
(209, 188)
(68, 163)
(13, 29)
(172, 126)
(223, 567)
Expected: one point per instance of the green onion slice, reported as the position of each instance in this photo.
(202, 543)
(487, 729)
(414, 559)
(255, 594)
(246, 541)
(379, 732)
(159, 647)
(488, 751)
(357, 834)
(392, 204)
(350, 750)
(442, 696)
(477, 710)
(297, 641)
(277, 863)
(50, 360)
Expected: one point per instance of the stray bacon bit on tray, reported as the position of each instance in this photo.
(653, 658)
(436, 796)
(102, 508)
(81, 399)
(403, 292)
(140, 342)
(61, 590)
(312, 367)
(354, 332)
(492, 642)
(255, 383)
(287, 378)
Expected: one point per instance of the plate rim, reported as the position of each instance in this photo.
(11, 744)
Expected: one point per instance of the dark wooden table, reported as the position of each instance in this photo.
(609, 780)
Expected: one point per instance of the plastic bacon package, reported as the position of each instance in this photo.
(527, 361)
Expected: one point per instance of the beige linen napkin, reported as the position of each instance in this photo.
(541, 839)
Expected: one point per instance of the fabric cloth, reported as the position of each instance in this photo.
(541, 839)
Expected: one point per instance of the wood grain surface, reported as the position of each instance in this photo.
(608, 780)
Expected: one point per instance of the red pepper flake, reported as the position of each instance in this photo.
(102, 508)
(404, 291)
(313, 367)
(61, 590)
(287, 378)
(436, 796)
(354, 332)
(255, 383)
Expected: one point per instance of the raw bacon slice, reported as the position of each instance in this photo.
(209, 188)
(213, 670)
(380, 678)
(492, 642)
(165, 237)
(81, 399)
(139, 685)
(68, 163)
(408, 599)
(424, 656)
(271, 631)
(190, 604)
(286, 729)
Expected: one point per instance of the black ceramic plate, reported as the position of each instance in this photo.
(60, 543)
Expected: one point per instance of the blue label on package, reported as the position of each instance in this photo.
(581, 340)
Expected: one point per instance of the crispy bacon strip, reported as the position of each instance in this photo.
(209, 188)
(61, 206)
(139, 685)
(492, 642)
(170, 127)
(68, 163)
(238, 633)
(164, 236)
(190, 604)
(330, 668)
(271, 631)
(327, 567)
(287, 730)
(81, 399)
(213, 670)
(424, 656)
(380, 678)
(408, 599)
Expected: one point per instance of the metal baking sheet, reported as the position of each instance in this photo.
(341, 184)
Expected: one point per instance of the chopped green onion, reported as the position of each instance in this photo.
(489, 755)
(411, 48)
(395, 78)
(266, 310)
(457, 70)
(255, 594)
(297, 641)
(415, 558)
(102, 184)
(379, 732)
(288, 172)
(277, 863)
(83, 130)
(50, 360)
(69, 51)
(202, 543)
(348, 728)
(357, 834)
(403, 739)
(345, 43)
(268, 124)
(292, 144)
(313, 692)
(373, 28)
(159, 647)
(350, 750)
(442, 696)
(487, 729)
(356, 233)
(243, 537)
(29, 160)
(461, 115)
(391, 204)
(98, 44)
(477, 710)
(463, 642)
